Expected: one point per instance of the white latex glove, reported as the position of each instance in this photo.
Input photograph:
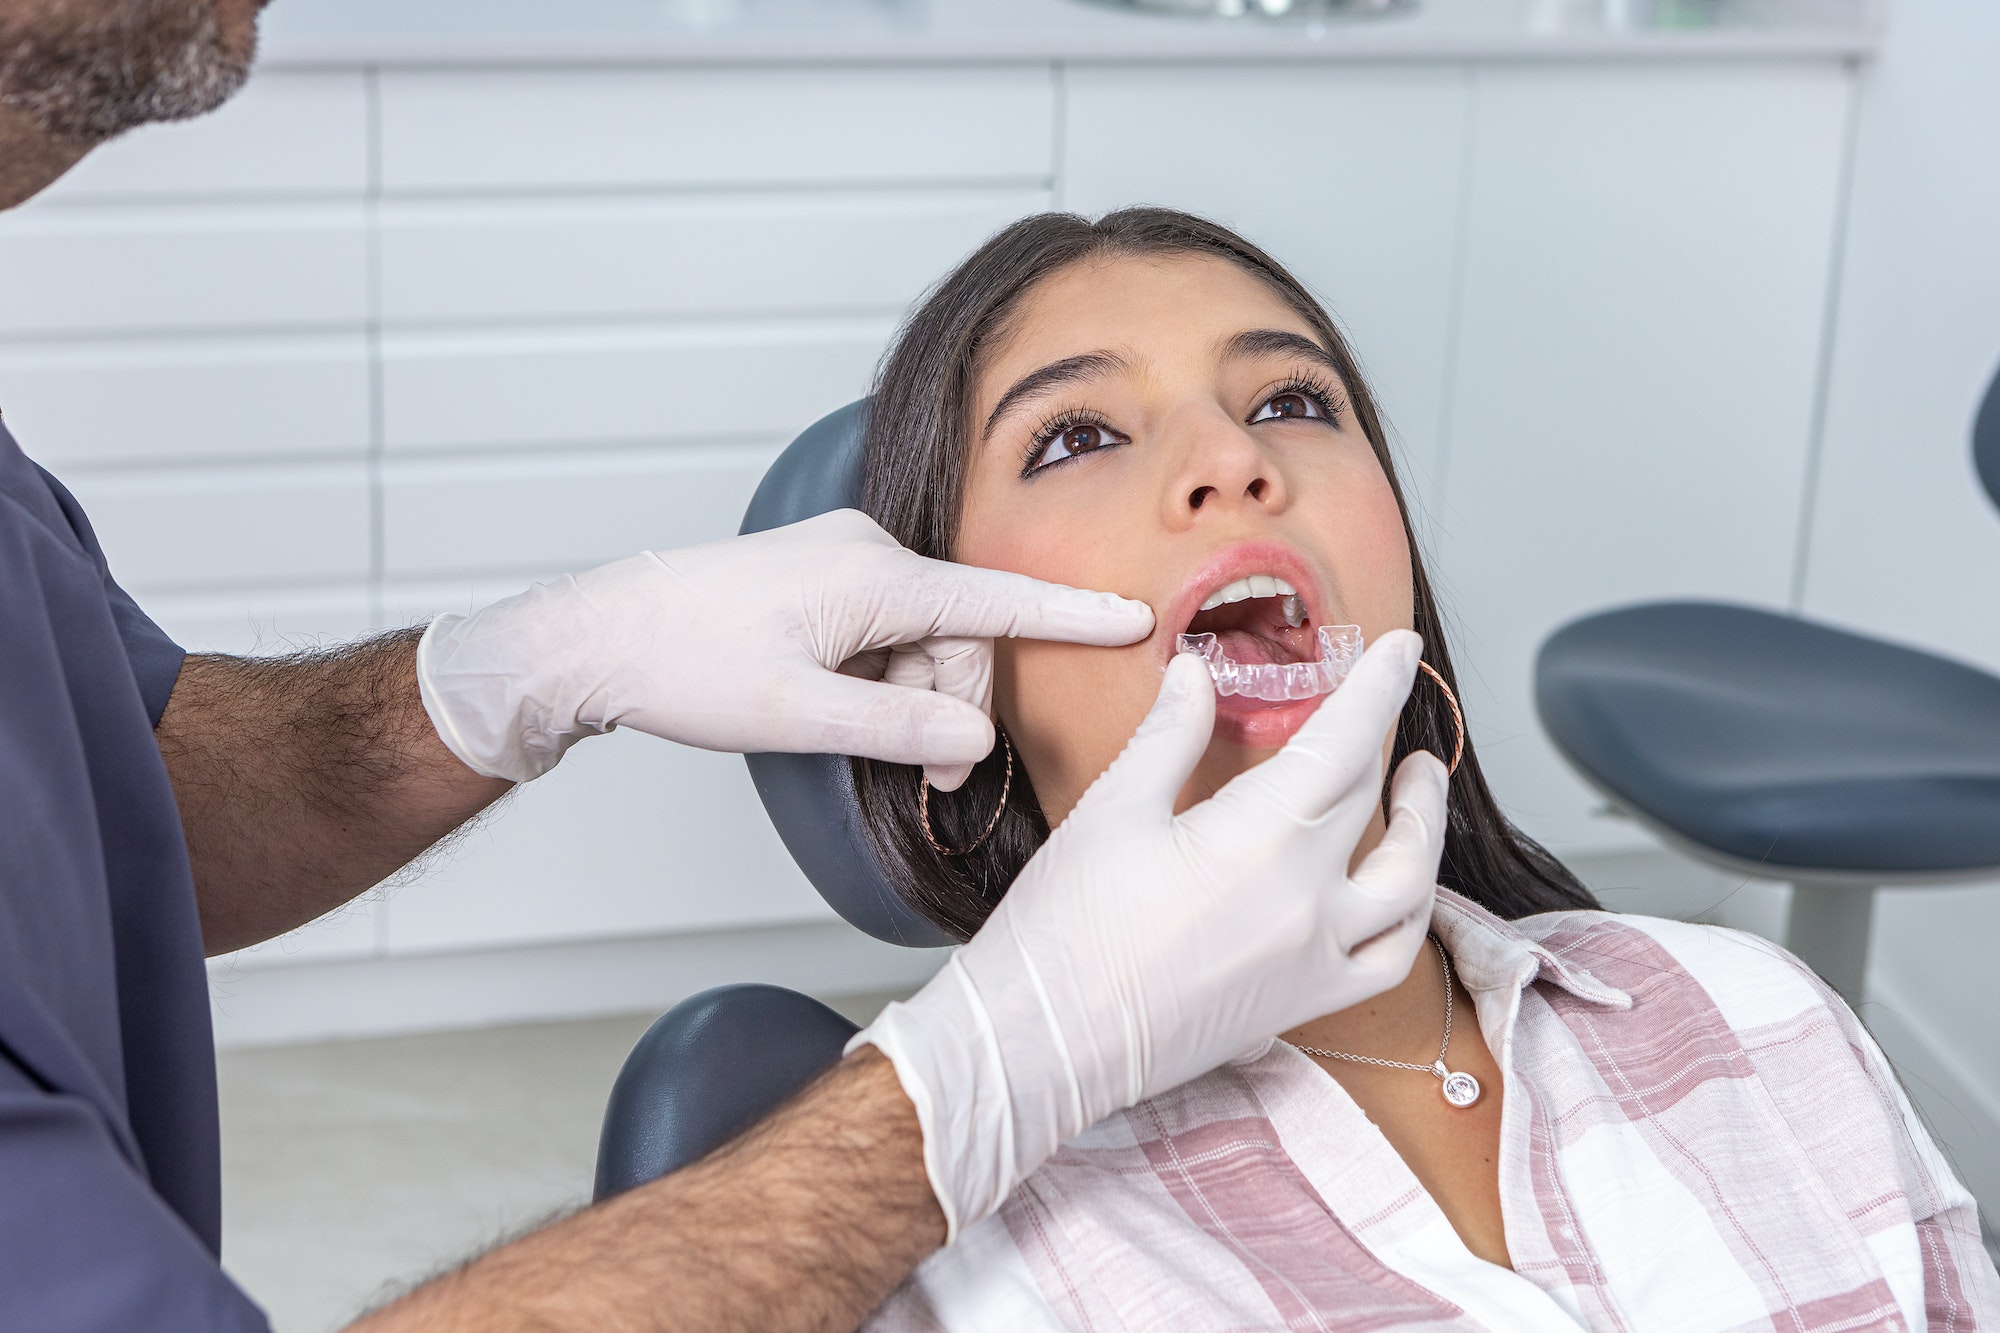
(824, 637)
(1140, 949)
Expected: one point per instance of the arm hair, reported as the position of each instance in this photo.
(305, 780)
(802, 1225)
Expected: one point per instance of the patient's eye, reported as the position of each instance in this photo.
(1066, 436)
(1301, 400)
(1289, 405)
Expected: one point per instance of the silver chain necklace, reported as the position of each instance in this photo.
(1460, 1088)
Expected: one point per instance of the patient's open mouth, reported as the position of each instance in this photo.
(1259, 641)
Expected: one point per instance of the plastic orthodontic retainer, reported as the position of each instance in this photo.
(1339, 647)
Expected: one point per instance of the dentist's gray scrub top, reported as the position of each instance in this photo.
(110, 1181)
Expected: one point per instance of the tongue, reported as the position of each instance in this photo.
(1253, 649)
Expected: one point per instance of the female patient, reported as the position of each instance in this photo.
(1664, 1125)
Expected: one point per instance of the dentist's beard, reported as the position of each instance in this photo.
(87, 77)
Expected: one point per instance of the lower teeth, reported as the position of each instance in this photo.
(1339, 646)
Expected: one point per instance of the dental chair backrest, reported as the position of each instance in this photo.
(722, 1060)
(810, 797)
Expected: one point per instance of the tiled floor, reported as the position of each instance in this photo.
(353, 1169)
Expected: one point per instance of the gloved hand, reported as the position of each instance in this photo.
(824, 637)
(1140, 949)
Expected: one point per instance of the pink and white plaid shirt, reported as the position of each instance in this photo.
(1697, 1135)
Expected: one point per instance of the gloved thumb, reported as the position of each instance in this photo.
(1413, 844)
(1159, 759)
(1395, 881)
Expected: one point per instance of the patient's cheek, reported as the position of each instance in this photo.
(1069, 710)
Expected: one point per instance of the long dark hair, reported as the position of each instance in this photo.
(915, 448)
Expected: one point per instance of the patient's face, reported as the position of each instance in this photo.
(1164, 428)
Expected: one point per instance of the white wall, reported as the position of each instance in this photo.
(1903, 542)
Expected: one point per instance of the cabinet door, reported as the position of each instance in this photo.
(1645, 280)
(496, 130)
(178, 269)
(628, 836)
(544, 514)
(141, 402)
(1349, 177)
(693, 255)
(198, 528)
(290, 133)
(552, 386)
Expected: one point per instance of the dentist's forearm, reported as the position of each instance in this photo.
(305, 780)
(803, 1224)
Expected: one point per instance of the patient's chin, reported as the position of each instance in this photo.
(1260, 724)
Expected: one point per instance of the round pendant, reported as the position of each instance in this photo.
(1461, 1090)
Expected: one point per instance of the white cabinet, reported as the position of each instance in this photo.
(540, 515)
(114, 401)
(1644, 289)
(260, 621)
(289, 133)
(682, 255)
(628, 836)
(552, 387)
(625, 129)
(1349, 176)
(185, 528)
(161, 268)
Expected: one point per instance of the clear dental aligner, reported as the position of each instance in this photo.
(1339, 646)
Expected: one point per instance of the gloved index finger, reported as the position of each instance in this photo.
(967, 601)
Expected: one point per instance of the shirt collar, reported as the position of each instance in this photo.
(1495, 955)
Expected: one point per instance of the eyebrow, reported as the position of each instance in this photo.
(1040, 383)
(1268, 342)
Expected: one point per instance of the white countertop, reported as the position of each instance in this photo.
(342, 32)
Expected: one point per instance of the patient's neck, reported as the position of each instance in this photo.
(1405, 1022)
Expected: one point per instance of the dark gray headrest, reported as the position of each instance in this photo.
(1986, 440)
(810, 797)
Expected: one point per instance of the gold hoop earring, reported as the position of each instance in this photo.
(1457, 717)
(924, 808)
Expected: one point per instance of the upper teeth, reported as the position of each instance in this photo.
(1256, 585)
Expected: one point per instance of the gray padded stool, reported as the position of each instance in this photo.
(720, 1061)
(1776, 747)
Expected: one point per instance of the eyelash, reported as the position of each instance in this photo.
(1051, 428)
(1330, 401)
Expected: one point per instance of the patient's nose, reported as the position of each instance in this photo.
(1223, 470)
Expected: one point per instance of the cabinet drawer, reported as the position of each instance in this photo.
(149, 401)
(252, 623)
(609, 258)
(139, 270)
(628, 128)
(191, 527)
(628, 836)
(546, 516)
(289, 132)
(473, 391)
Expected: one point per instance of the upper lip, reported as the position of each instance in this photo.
(1228, 563)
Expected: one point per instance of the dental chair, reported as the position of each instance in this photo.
(1777, 748)
(720, 1061)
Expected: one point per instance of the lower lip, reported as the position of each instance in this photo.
(1260, 724)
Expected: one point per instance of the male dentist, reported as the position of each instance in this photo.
(156, 806)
